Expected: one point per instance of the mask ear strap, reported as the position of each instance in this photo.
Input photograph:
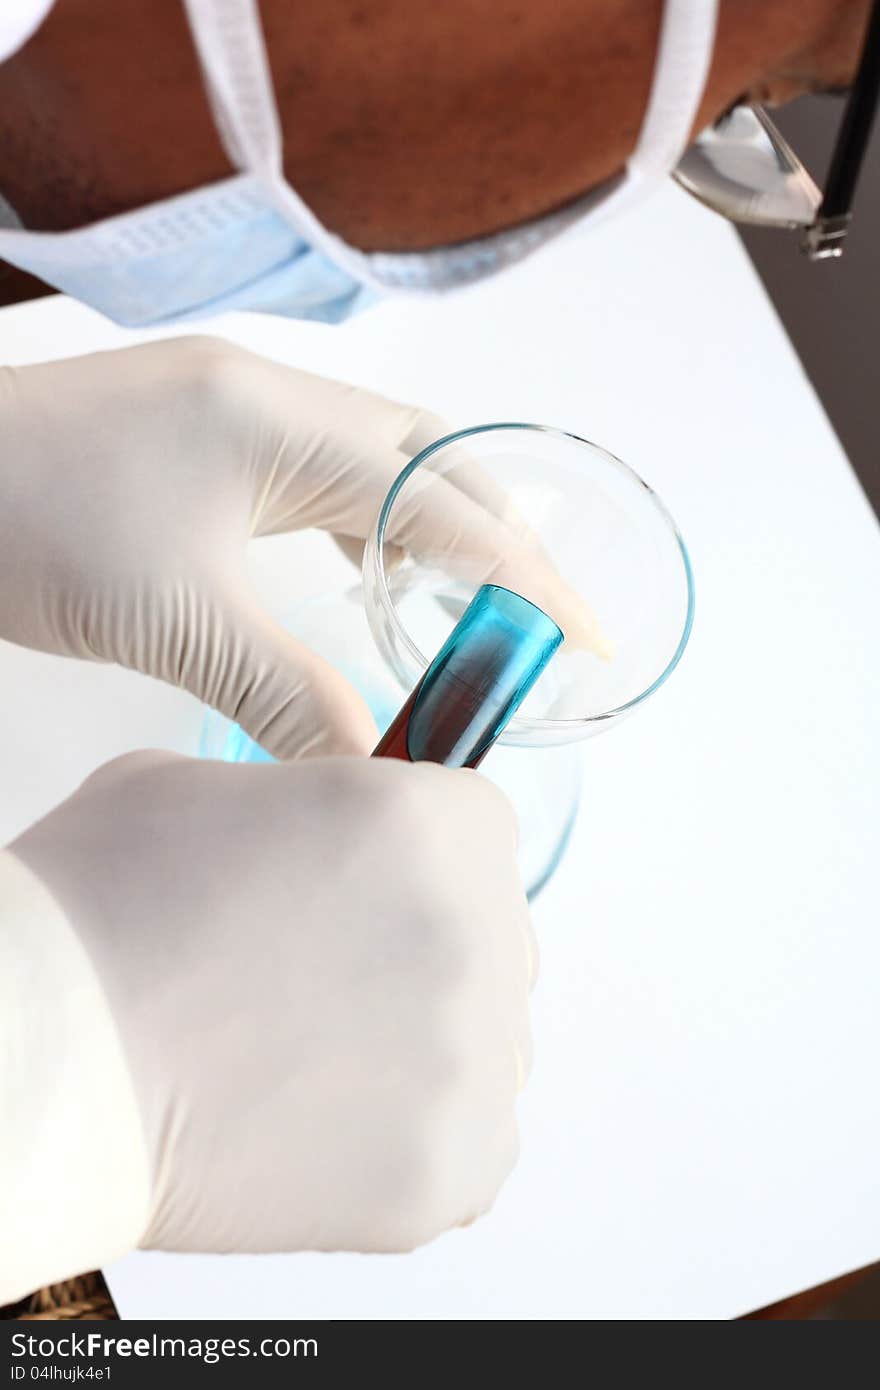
(681, 67)
(229, 41)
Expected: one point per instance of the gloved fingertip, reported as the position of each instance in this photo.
(285, 696)
(332, 719)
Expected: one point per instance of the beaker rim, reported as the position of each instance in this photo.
(520, 724)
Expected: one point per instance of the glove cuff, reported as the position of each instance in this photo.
(74, 1173)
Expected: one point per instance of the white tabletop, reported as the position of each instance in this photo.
(701, 1131)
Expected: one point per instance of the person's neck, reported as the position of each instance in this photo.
(425, 126)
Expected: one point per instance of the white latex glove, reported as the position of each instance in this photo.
(318, 974)
(131, 482)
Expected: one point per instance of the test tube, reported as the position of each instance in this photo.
(476, 682)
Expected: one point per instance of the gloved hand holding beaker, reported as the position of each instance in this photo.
(131, 482)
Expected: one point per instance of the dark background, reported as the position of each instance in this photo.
(830, 307)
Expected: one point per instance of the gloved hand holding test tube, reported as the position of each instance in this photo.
(475, 684)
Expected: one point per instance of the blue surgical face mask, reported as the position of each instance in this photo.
(250, 242)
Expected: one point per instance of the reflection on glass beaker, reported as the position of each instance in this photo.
(554, 518)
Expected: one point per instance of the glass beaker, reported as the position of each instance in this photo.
(555, 518)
